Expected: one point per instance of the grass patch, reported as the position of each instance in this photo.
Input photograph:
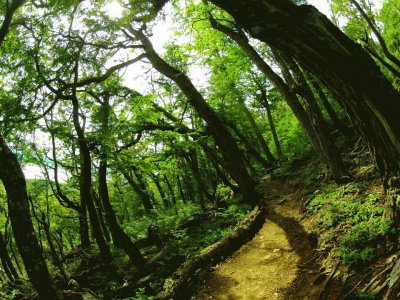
(349, 219)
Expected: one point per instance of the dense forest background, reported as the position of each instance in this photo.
(139, 157)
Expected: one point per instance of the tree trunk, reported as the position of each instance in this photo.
(210, 153)
(170, 189)
(298, 83)
(202, 188)
(120, 238)
(100, 212)
(139, 189)
(14, 255)
(249, 147)
(18, 206)
(233, 157)
(9, 268)
(86, 184)
(337, 123)
(180, 189)
(371, 23)
(271, 122)
(160, 189)
(60, 243)
(84, 227)
(257, 131)
(350, 74)
(56, 259)
(289, 96)
(65, 201)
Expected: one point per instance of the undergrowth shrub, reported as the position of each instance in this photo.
(350, 219)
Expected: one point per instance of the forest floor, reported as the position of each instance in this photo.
(278, 263)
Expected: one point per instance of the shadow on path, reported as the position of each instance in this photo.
(302, 287)
(278, 263)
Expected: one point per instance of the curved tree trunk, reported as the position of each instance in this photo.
(18, 206)
(350, 74)
(234, 161)
(287, 93)
(297, 82)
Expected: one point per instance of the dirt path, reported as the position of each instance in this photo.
(275, 264)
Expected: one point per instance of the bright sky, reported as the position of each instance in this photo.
(322, 6)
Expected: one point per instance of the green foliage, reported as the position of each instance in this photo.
(366, 295)
(37, 81)
(352, 218)
(292, 137)
(141, 295)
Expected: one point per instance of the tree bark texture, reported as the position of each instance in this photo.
(271, 123)
(120, 238)
(86, 184)
(234, 162)
(18, 205)
(257, 131)
(287, 93)
(350, 74)
(295, 79)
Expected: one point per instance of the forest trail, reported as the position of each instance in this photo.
(276, 264)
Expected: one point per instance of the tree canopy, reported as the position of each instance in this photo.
(137, 141)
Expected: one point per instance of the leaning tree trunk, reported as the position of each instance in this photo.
(271, 123)
(296, 81)
(234, 161)
(290, 97)
(170, 190)
(140, 190)
(120, 238)
(18, 206)
(350, 74)
(257, 131)
(164, 199)
(337, 123)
